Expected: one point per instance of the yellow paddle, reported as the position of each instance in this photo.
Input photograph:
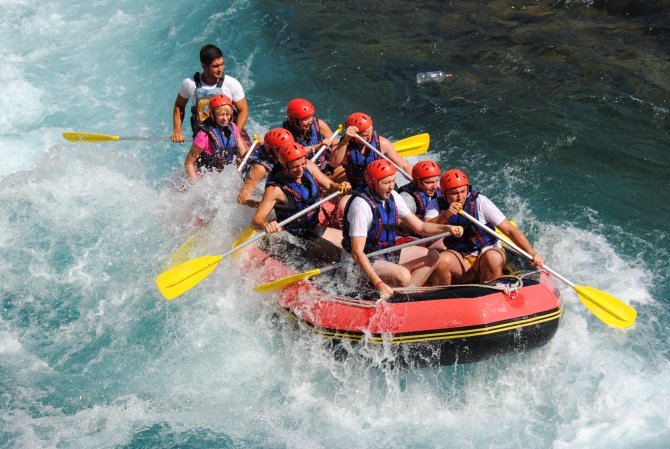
(183, 253)
(246, 235)
(280, 283)
(410, 146)
(413, 146)
(606, 307)
(91, 137)
(185, 276)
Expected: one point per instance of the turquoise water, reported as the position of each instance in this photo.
(558, 111)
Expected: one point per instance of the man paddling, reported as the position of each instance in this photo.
(201, 87)
(294, 188)
(370, 222)
(355, 155)
(261, 163)
(476, 255)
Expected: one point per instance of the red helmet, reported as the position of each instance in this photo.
(290, 152)
(276, 138)
(424, 169)
(360, 120)
(219, 100)
(377, 170)
(299, 108)
(452, 179)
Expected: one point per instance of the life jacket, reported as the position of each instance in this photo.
(382, 233)
(473, 239)
(261, 157)
(421, 201)
(299, 196)
(224, 145)
(311, 137)
(355, 161)
(200, 108)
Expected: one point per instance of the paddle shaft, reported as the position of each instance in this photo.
(367, 144)
(513, 246)
(288, 220)
(326, 145)
(246, 157)
(391, 249)
(153, 138)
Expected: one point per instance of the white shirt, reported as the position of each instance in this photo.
(230, 88)
(360, 214)
(409, 200)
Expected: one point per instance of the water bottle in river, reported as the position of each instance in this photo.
(432, 77)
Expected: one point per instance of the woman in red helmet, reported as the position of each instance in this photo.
(293, 188)
(217, 142)
(309, 130)
(475, 256)
(261, 163)
(355, 156)
(371, 218)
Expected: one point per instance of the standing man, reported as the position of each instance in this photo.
(201, 87)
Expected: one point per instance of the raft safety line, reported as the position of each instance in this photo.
(429, 335)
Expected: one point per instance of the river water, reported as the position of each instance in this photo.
(558, 111)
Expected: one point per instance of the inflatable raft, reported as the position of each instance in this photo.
(429, 325)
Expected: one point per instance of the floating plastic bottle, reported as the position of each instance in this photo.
(432, 77)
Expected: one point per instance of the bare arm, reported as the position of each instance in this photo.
(339, 150)
(256, 174)
(389, 151)
(419, 226)
(242, 147)
(358, 254)
(520, 239)
(189, 163)
(324, 181)
(242, 112)
(271, 196)
(178, 113)
(326, 132)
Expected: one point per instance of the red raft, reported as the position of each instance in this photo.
(429, 325)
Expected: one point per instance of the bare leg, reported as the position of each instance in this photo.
(450, 265)
(415, 267)
(328, 247)
(393, 274)
(256, 174)
(421, 262)
(491, 264)
(438, 246)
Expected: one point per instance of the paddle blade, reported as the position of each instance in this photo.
(606, 307)
(280, 283)
(183, 253)
(181, 278)
(246, 235)
(413, 146)
(88, 137)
